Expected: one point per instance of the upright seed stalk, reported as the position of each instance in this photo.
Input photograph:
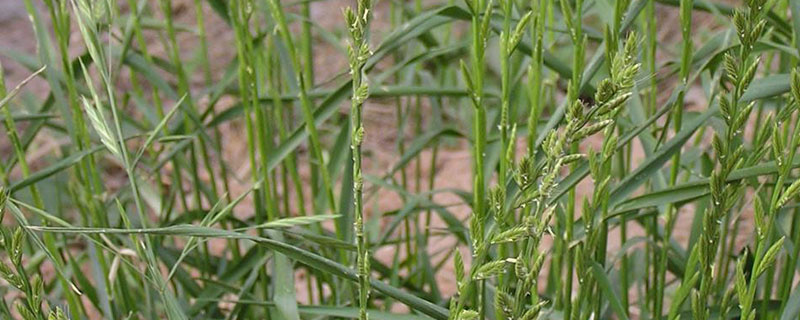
(509, 39)
(740, 71)
(358, 53)
(536, 182)
(610, 98)
(531, 257)
(473, 77)
(765, 216)
(480, 35)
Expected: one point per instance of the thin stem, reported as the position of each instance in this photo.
(359, 52)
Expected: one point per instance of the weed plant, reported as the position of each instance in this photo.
(614, 174)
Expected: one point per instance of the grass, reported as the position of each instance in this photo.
(614, 174)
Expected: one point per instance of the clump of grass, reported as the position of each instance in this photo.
(120, 218)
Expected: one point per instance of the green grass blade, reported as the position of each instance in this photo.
(608, 291)
(306, 257)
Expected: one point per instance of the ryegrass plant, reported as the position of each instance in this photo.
(358, 53)
(654, 183)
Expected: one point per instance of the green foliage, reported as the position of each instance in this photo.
(126, 202)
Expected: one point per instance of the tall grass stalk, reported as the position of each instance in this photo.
(784, 151)
(358, 53)
(481, 12)
(740, 70)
